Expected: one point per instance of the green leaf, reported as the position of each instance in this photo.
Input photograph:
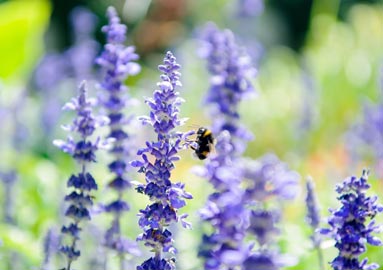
(15, 239)
(22, 25)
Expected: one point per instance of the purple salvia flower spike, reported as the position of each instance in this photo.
(367, 134)
(117, 63)
(352, 225)
(231, 69)
(157, 163)
(8, 180)
(225, 210)
(267, 179)
(249, 8)
(49, 73)
(56, 68)
(84, 50)
(313, 217)
(83, 151)
(51, 247)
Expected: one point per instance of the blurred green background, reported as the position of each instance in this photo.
(318, 61)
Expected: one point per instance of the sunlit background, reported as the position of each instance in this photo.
(320, 66)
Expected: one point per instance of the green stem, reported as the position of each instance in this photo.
(122, 261)
(73, 247)
(158, 254)
(320, 257)
(329, 7)
(69, 263)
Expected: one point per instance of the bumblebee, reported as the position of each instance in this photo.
(205, 142)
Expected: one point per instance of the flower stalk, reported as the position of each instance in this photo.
(313, 218)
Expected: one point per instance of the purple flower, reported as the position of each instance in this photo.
(51, 246)
(225, 209)
(83, 22)
(309, 103)
(263, 226)
(250, 8)
(57, 68)
(117, 63)
(83, 151)
(237, 208)
(157, 163)
(8, 180)
(116, 60)
(265, 260)
(157, 264)
(313, 217)
(267, 180)
(352, 225)
(231, 69)
(84, 50)
(50, 72)
(369, 132)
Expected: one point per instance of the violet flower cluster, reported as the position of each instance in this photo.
(268, 181)
(117, 63)
(231, 69)
(268, 178)
(352, 225)
(225, 210)
(8, 180)
(313, 217)
(51, 247)
(51, 71)
(243, 187)
(83, 151)
(84, 50)
(57, 68)
(369, 132)
(157, 163)
(309, 104)
(250, 8)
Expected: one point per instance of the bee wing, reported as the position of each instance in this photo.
(212, 146)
